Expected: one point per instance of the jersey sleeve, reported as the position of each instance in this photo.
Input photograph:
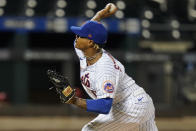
(81, 57)
(79, 52)
(105, 86)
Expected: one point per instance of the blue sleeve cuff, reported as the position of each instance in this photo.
(101, 106)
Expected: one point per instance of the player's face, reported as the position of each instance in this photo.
(82, 43)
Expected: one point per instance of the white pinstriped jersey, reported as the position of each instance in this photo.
(106, 70)
(131, 105)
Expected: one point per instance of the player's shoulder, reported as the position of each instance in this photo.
(105, 65)
(111, 59)
(113, 63)
(105, 62)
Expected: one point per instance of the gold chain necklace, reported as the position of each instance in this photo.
(89, 58)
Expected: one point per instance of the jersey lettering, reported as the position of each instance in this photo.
(94, 93)
(115, 65)
(85, 80)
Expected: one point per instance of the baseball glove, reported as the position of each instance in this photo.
(62, 86)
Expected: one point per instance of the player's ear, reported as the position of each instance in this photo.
(91, 43)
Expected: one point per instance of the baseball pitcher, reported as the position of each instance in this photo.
(122, 104)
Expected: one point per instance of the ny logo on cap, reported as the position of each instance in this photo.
(89, 35)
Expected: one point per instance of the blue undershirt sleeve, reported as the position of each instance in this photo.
(101, 106)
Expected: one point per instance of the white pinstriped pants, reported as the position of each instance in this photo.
(137, 116)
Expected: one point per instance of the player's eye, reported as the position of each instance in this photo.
(82, 37)
(77, 36)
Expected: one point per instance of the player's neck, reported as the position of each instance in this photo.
(92, 56)
(93, 61)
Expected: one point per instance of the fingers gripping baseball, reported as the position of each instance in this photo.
(62, 86)
(109, 10)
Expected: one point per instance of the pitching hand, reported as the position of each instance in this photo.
(109, 10)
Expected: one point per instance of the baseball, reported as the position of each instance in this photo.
(113, 7)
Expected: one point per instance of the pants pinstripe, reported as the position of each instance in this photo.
(137, 117)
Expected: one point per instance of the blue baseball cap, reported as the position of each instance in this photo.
(92, 30)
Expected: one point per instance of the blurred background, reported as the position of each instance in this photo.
(154, 39)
